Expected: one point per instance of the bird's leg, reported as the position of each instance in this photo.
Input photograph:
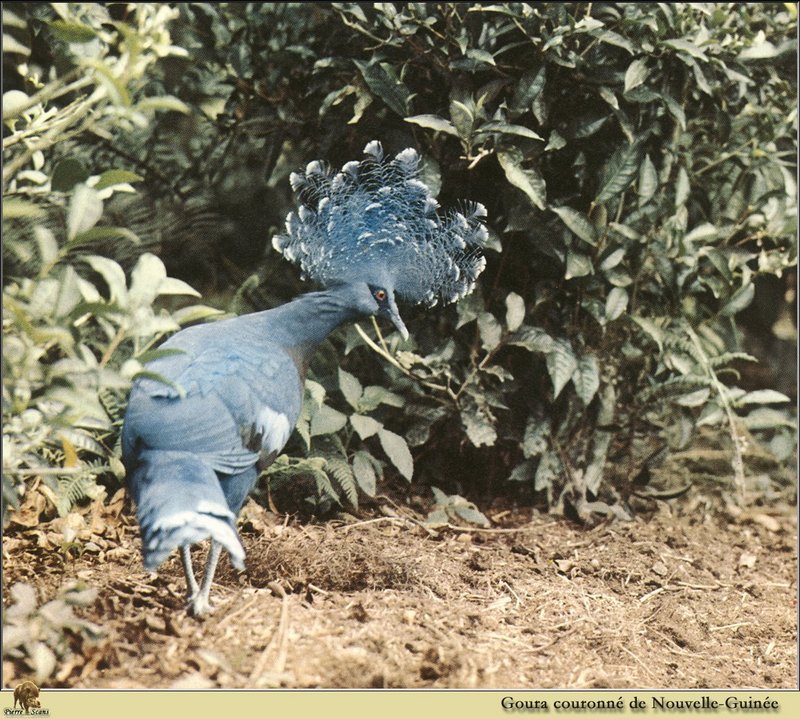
(199, 603)
(188, 570)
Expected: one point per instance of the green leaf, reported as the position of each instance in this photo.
(589, 125)
(533, 339)
(397, 451)
(555, 142)
(586, 378)
(505, 128)
(69, 293)
(327, 421)
(12, 45)
(470, 513)
(474, 53)
(530, 181)
(699, 76)
(375, 395)
(648, 180)
(686, 47)
(114, 276)
(578, 223)
(195, 313)
(762, 396)
(174, 286)
(740, 299)
(656, 332)
(364, 473)
(537, 436)
(67, 174)
(490, 330)
(613, 259)
(14, 208)
(394, 93)
(704, 233)
(351, 388)
(168, 103)
(463, 117)
(364, 425)
(146, 278)
(609, 96)
(316, 392)
(72, 31)
(698, 398)
(766, 418)
(636, 74)
(12, 20)
(613, 38)
(578, 265)
(85, 209)
(616, 303)
(478, 425)
(620, 171)
(523, 472)
(529, 87)
(434, 122)
(561, 365)
(339, 470)
(469, 308)
(116, 177)
(682, 188)
(718, 260)
(547, 471)
(515, 311)
(95, 234)
(46, 244)
(760, 51)
(675, 110)
(625, 231)
(152, 355)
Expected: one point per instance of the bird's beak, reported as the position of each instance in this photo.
(394, 316)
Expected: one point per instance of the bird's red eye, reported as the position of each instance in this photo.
(380, 295)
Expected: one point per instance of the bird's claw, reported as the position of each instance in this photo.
(199, 606)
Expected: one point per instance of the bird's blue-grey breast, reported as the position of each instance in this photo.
(208, 416)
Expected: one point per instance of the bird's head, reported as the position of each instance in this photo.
(387, 307)
(374, 225)
(377, 298)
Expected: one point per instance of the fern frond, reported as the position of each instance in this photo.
(341, 473)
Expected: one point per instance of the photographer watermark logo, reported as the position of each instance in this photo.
(27, 696)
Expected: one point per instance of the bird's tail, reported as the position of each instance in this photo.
(179, 501)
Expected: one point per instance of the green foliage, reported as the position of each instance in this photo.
(69, 355)
(452, 508)
(76, 330)
(339, 470)
(646, 160)
(637, 162)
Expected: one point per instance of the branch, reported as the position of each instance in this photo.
(393, 361)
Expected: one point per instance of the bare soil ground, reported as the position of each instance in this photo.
(687, 595)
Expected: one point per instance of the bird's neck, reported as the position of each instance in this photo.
(308, 319)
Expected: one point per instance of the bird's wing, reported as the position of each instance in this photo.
(227, 402)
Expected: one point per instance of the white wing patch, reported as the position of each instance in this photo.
(274, 429)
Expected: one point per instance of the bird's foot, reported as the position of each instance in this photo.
(199, 606)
